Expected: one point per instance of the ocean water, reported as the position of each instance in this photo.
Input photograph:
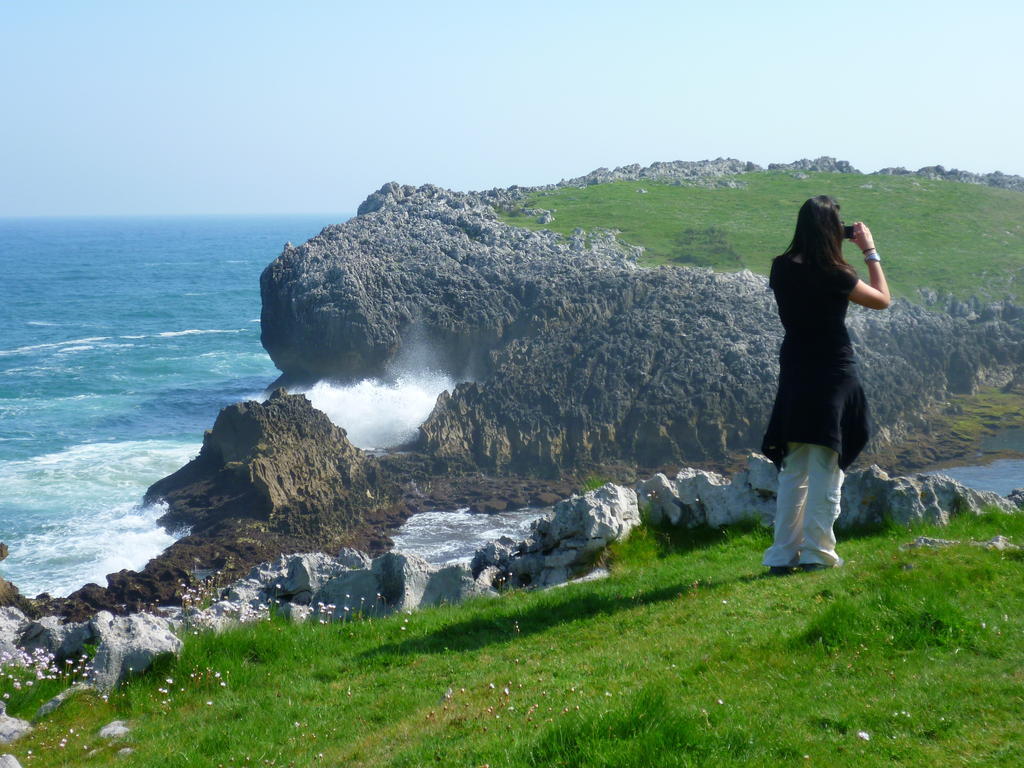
(121, 340)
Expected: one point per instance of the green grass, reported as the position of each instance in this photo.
(962, 239)
(686, 656)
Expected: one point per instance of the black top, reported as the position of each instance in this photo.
(819, 399)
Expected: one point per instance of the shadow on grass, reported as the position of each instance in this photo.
(565, 605)
(561, 606)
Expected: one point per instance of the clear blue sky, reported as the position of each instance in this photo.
(259, 107)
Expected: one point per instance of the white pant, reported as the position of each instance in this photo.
(808, 505)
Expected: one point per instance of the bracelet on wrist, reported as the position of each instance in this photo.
(872, 255)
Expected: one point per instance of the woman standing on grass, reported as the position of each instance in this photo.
(820, 420)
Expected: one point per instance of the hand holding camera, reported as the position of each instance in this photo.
(860, 234)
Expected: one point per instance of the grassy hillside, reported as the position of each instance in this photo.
(963, 239)
(687, 656)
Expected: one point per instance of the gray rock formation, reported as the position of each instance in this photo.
(697, 497)
(127, 645)
(564, 545)
(994, 179)
(50, 634)
(1016, 497)
(396, 582)
(822, 164)
(283, 463)
(576, 357)
(11, 728)
(9, 761)
(116, 729)
(869, 497)
(12, 624)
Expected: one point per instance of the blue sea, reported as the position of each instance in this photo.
(121, 340)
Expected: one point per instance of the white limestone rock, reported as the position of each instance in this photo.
(11, 728)
(451, 584)
(597, 517)
(564, 544)
(128, 644)
(660, 494)
(12, 625)
(9, 761)
(354, 558)
(403, 579)
(248, 591)
(117, 729)
(708, 498)
(997, 544)
(871, 496)
(356, 590)
(306, 573)
(51, 635)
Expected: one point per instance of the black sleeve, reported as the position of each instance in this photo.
(845, 281)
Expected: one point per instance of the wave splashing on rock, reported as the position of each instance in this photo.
(378, 414)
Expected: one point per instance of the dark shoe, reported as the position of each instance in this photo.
(810, 567)
(781, 570)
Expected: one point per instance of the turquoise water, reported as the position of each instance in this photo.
(122, 339)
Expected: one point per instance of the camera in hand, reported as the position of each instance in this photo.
(848, 231)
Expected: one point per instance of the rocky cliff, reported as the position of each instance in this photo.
(271, 477)
(570, 354)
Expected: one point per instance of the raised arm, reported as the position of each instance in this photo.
(876, 295)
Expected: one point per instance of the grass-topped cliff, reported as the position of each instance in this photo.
(958, 238)
(686, 656)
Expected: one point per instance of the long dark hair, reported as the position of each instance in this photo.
(819, 235)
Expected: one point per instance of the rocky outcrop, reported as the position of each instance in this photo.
(271, 477)
(869, 497)
(576, 356)
(12, 728)
(1016, 497)
(283, 463)
(994, 179)
(128, 645)
(342, 587)
(562, 546)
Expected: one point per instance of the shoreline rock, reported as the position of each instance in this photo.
(271, 477)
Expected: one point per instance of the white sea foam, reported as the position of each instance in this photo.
(52, 345)
(76, 348)
(378, 414)
(104, 527)
(442, 537)
(197, 331)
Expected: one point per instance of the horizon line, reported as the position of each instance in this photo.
(23, 217)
